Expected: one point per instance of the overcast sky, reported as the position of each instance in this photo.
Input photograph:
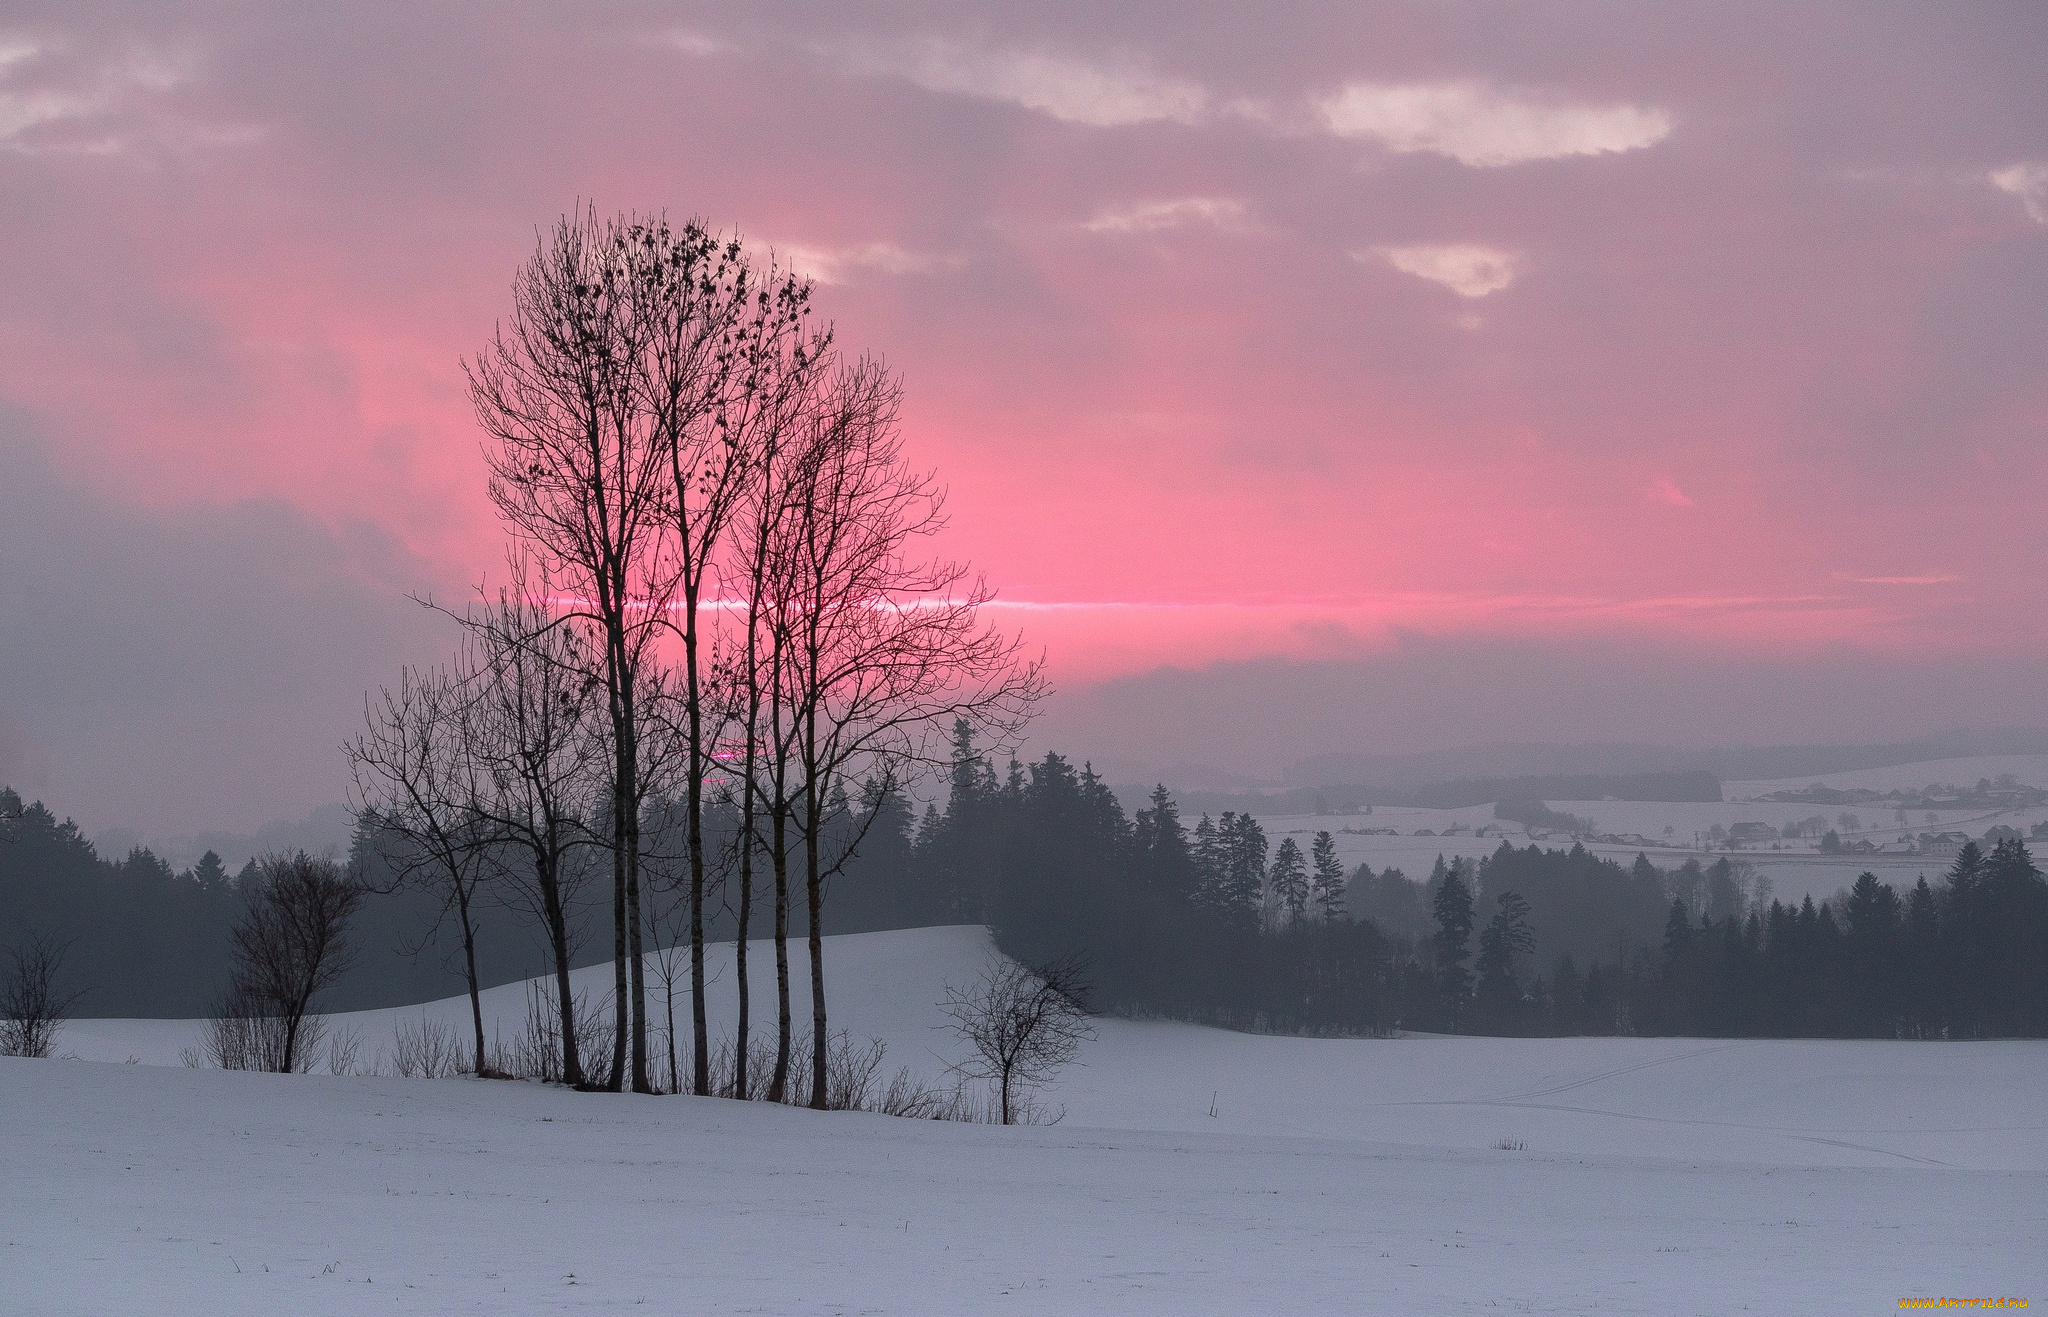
(1389, 376)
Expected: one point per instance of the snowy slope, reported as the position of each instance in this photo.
(1336, 1176)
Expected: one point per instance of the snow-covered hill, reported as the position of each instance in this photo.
(1653, 1176)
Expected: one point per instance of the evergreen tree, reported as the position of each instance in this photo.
(210, 874)
(1329, 884)
(1237, 882)
(1289, 880)
(1452, 942)
(1205, 859)
(1162, 843)
(1506, 936)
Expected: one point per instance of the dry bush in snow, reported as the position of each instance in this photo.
(32, 1009)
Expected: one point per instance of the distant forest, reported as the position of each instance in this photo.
(1208, 922)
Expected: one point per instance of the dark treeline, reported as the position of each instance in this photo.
(1212, 922)
(144, 940)
(1208, 921)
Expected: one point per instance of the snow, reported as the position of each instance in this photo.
(1968, 771)
(1796, 871)
(1658, 1176)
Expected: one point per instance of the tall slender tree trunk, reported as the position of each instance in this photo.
(740, 1040)
(631, 973)
(693, 790)
(815, 896)
(622, 1003)
(558, 943)
(637, 954)
(668, 996)
(819, 1037)
(476, 1001)
(778, 1090)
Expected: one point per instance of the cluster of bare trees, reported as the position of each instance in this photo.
(722, 593)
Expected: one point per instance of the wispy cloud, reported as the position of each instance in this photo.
(1477, 125)
(1154, 216)
(2028, 181)
(1921, 578)
(110, 107)
(692, 42)
(838, 265)
(1101, 94)
(1467, 269)
(1667, 492)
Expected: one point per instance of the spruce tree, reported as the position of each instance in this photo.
(1452, 942)
(1506, 936)
(210, 874)
(1290, 881)
(1328, 878)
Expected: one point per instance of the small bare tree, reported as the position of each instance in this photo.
(535, 732)
(1023, 1024)
(289, 945)
(417, 777)
(31, 1007)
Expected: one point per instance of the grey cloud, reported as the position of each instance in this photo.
(1430, 694)
(184, 670)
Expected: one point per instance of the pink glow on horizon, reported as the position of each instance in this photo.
(1757, 380)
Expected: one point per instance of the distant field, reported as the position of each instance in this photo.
(1796, 871)
(1651, 1176)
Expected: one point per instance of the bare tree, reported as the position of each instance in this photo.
(578, 472)
(884, 650)
(289, 945)
(1023, 1024)
(32, 1008)
(416, 774)
(724, 349)
(534, 724)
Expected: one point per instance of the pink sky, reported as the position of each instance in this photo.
(1235, 339)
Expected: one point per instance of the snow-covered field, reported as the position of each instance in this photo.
(1653, 1176)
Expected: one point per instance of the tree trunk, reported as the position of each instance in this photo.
(476, 1001)
(819, 1037)
(558, 942)
(739, 1073)
(693, 790)
(814, 890)
(778, 1090)
(614, 1082)
(637, 957)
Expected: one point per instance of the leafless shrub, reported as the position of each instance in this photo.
(850, 1073)
(32, 1009)
(853, 1082)
(913, 1099)
(427, 1050)
(343, 1047)
(760, 1070)
(1510, 1145)
(1023, 1024)
(242, 1035)
(536, 1051)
